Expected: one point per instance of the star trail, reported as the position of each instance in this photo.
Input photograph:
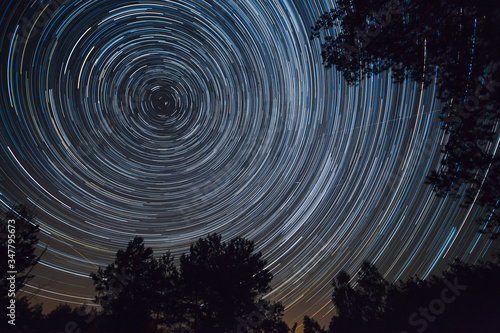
(175, 119)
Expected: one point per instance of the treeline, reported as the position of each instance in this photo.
(219, 287)
(463, 299)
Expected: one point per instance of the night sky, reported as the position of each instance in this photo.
(175, 119)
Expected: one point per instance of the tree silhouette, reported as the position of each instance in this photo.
(167, 296)
(29, 317)
(221, 283)
(64, 318)
(218, 288)
(23, 235)
(271, 320)
(416, 39)
(462, 299)
(345, 298)
(312, 326)
(133, 290)
(57, 318)
(19, 237)
(447, 42)
(372, 289)
(356, 308)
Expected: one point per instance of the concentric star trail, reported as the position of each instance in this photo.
(175, 119)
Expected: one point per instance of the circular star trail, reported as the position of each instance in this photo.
(175, 119)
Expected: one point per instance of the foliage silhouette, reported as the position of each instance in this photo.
(64, 318)
(221, 282)
(462, 299)
(312, 326)
(25, 242)
(358, 307)
(218, 287)
(447, 42)
(132, 290)
(23, 236)
(266, 318)
(416, 39)
(218, 277)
